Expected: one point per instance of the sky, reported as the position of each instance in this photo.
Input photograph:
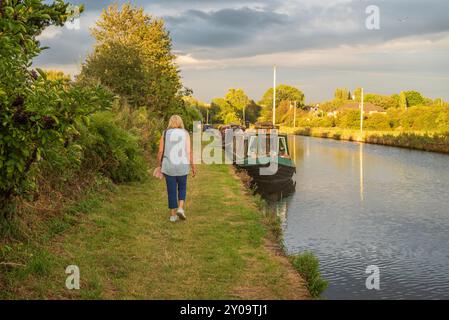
(317, 45)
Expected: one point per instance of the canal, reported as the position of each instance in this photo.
(359, 205)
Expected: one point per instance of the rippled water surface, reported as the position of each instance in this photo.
(358, 205)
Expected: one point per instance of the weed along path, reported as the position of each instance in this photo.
(126, 248)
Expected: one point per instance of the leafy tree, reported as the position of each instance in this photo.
(285, 93)
(253, 112)
(414, 98)
(121, 69)
(224, 107)
(358, 94)
(348, 119)
(284, 111)
(203, 108)
(342, 94)
(231, 118)
(133, 57)
(396, 100)
(235, 104)
(35, 112)
(403, 102)
(385, 102)
(238, 100)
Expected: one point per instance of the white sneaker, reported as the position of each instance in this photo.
(173, 218)
(181, 214)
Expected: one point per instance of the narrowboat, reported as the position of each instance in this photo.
(256, 159)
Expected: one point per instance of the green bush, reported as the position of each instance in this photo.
(385, 102)
(112, 150)
(348, 119)
(141, 122)
(323, 122)
(308, 267)
(36, 113)
(377, 121)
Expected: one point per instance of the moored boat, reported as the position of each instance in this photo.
(256, 159)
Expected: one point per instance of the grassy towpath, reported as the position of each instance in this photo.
(126, 248)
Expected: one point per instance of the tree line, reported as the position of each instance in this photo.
(237, 108)
(406, 111)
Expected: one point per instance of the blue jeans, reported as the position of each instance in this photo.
(176, 189)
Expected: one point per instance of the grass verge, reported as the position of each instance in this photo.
(126, 248)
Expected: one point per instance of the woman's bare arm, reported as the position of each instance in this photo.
(161, 151)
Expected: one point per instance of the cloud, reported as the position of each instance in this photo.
(226, 27)
(300, 26)
(50, 33)
(390, 55)
(66, 46)
(323, 40)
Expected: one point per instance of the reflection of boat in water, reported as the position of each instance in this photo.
(275, 191)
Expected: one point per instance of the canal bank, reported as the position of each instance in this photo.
(433, 142)
(126, 248)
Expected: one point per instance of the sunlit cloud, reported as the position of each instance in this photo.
(214, 38)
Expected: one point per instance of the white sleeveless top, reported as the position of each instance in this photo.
(175, 161)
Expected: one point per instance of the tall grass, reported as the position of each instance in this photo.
(308, 267)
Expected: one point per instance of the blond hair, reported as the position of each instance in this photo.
(175, 122)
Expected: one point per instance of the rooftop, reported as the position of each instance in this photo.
(368, 107)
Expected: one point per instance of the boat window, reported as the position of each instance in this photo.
(253, 146)
(282, 146)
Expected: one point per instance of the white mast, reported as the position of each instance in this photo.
(274, 96)
(361, 112)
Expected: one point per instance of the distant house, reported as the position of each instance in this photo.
(368, 108)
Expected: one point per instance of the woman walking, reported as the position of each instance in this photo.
(175, 160)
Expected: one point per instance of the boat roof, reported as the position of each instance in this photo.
(254, 132)
(266, 126)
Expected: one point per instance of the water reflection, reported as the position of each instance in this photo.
(277, 197)
(361, 173)
(357, 205)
